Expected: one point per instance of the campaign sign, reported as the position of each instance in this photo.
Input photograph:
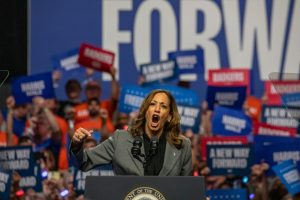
(181, 95)
(190, 63)
(221, 140)
(80, 176)
(159, 72)
(228, 121)
(261, 141)
(131, 98)
(266, 129)
(27, 87)
(95, 58)
(281, 116)
(21, 160)
(230, 159)
(66, 61)
(275, 89)
(189, 117)
(278, 152)
(229, 77)
(232, 97)
(292, 99)
(5, 184)
(232, 194)
(288, 175)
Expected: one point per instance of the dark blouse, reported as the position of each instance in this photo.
(154, 164)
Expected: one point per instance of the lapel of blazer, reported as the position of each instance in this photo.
(137, 163)
(171, 156)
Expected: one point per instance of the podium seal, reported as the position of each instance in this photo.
(144, 193)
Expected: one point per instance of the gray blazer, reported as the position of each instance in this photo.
(117, 150)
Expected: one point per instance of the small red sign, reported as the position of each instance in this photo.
(95, 58)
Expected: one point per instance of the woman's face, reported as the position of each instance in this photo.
(157, 114)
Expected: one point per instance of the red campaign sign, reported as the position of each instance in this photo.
(229, 77)
(266, 129)
(220, 140)
(275, 89)
(95, 58)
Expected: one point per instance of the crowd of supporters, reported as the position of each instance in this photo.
(48, 124)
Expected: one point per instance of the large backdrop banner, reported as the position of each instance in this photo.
(260, 35)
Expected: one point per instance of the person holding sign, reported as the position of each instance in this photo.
(152, 146)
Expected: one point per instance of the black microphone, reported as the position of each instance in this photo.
(136, 148)
(153, 146)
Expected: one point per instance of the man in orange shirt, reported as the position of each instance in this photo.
(93, 90)
(98, 120)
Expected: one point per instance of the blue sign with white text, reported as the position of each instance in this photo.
(232, 122)
(229, 159)
(232, 97)
(21, 160)
(288, 175)
(27, 87)
(5, 184)
(190, 63)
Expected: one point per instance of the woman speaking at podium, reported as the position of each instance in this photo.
(153, 146)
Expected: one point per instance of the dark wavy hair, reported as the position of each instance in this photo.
(171, 128)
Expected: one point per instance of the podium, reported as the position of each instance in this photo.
(144, 188)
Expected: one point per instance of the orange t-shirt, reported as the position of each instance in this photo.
(82, 113)
(3, 142)
(91, 124)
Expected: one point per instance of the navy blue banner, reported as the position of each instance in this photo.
(181, 95)
(190, 63)
(5, 184)
(228, 121)
(288, 175)
(161, 72)
(232, 194)
(232, 97)
(189, 117)
(281, 116)
(131, 98)
(21, 159)
(27, 87)
(80, 176)
(291, 99)
(230, 159)
(277, 152)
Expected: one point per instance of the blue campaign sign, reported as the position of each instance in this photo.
(189, 117)
(80, 176)
(27, 87)
(261, 141)
(131, 98)
(181, 95)
(230, 159)
(232, 97)
(228, 121)
(278, 152)
(292, 99)
(161, 72)
(5, 184)
(232, 194)
(21, 159)
(190, 63)
(16, 158)
(286, 116)
(288, 175)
